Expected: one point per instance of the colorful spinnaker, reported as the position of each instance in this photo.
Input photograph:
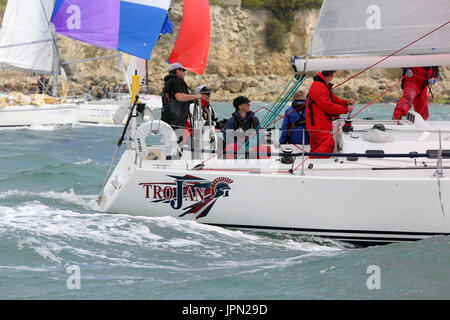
(131, 26)
(192, 45)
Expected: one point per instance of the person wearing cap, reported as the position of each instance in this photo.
(242, 119)
(206, 105)
(176, 97)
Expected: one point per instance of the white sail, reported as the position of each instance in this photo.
(347, 30)
(381, 27)
(25, 37)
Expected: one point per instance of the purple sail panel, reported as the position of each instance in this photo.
(95, 22)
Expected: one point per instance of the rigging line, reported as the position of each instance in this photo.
(331, 136)
(387, 57)
(299, 147)
(281, 102)
(379, 96)
(264, 108)
(281, 94)
(268, 120)
(286, 98)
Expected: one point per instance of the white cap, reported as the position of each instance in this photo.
(175, 66)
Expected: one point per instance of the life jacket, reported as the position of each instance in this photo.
(310, 101)
(292, 132)
(428, 75)
(174, 112)
(299, 107)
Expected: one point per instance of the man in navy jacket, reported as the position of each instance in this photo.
(242, 119)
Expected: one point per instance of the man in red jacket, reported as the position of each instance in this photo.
(415, 91)
(323, 106)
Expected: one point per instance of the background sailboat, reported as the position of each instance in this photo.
(26, 44)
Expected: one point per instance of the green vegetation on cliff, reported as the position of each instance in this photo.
(283, 11)
(275, 34)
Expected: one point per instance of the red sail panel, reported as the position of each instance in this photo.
(192, 45)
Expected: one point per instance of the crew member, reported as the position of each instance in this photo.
(206, 105)
(242, 118)
(323, 106)
(176, 97)
(415, 92)
(294, 122)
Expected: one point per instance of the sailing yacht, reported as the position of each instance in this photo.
(386, 181)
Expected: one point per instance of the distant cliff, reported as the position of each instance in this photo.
(239, 62)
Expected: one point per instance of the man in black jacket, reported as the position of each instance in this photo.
(243, 118)
(176, 97)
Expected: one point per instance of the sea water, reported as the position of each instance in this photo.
(56, 244)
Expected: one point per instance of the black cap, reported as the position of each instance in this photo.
(205, 90)
(240, 100)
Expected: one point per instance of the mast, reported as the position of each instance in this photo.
(56, 66)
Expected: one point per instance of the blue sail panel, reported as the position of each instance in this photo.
(140, 27)
(131, 26)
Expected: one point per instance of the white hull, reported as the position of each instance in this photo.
(22, 116)
(347, 208)
(368, 200)
(96, 113)
(66, 114)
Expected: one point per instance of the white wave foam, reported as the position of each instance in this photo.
(40, 248)
(54, 233)
(195, 228)
(24, 268)
(80, 163)
(99, 125)
(69, 197)
(43, 127)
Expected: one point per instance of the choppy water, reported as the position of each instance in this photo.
(51, 232)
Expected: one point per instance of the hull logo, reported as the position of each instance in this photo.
(192, 195)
